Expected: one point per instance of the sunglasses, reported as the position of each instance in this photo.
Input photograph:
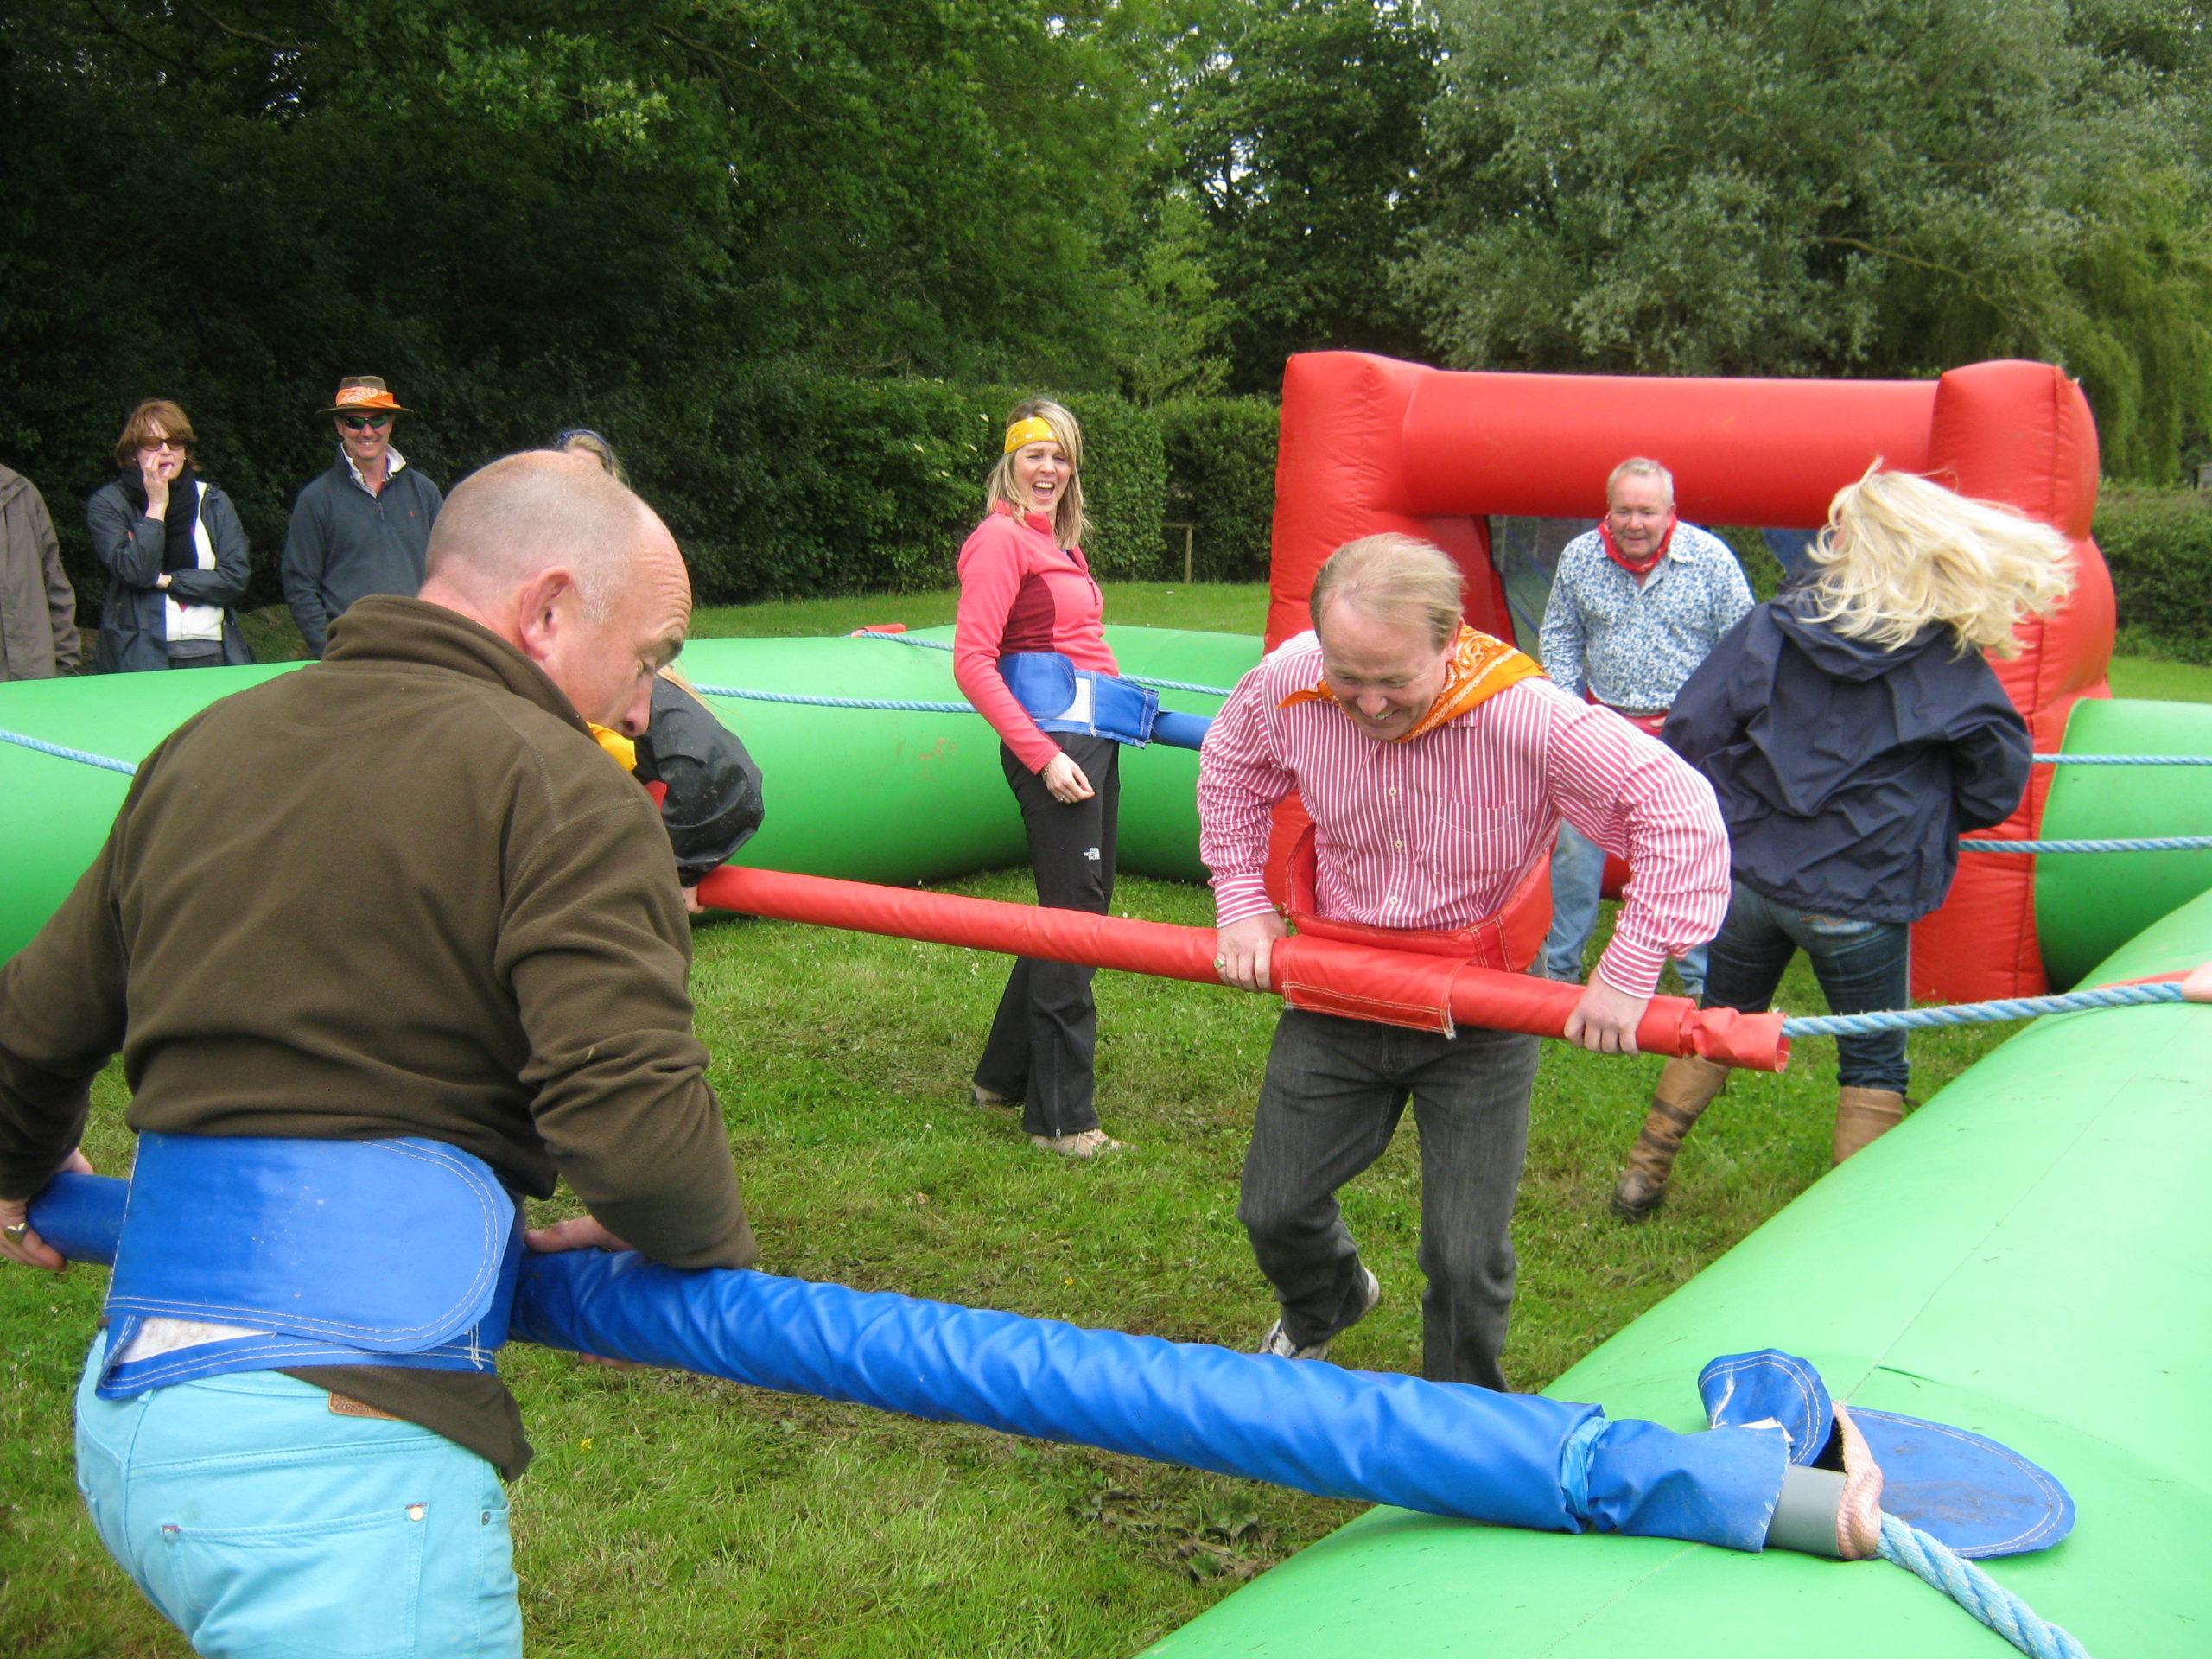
(357, 423)
(150, 445)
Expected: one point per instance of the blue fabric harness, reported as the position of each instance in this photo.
(1061, 698)
(394, 1252)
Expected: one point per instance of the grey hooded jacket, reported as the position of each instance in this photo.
(38, 607)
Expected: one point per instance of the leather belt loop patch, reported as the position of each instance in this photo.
(345, 1405)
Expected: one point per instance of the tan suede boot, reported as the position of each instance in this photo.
(1686, 1087)
(1864, 1115)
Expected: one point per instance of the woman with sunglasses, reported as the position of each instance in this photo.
(364, 526)
(174, 550)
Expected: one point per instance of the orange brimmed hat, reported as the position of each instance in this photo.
(357, 392)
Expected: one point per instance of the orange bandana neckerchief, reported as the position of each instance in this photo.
(1481, 668)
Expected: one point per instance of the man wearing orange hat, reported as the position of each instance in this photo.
(364, 526)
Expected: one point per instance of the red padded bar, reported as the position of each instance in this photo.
(1344, 973)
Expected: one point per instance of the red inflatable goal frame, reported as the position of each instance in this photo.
(1371, 444)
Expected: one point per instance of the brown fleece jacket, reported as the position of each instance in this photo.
(400, 893)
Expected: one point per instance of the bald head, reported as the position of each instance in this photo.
(540, 511)
(565, 564)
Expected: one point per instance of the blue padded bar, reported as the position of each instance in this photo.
(1442, 1448)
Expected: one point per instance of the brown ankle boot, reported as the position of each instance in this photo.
(1686, 1087)
(1864, 1115)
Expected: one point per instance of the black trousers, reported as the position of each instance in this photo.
(1334, 1092)
(1046, 1029)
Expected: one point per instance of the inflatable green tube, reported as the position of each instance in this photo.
(2024, 1258)
(877, 796)
(869, 795)
(54, 813)
(2088, 904)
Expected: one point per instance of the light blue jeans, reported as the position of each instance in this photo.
(265, 1526)
(1578, 877)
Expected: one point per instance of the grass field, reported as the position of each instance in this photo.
(672, 1516)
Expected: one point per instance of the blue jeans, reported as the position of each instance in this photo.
(1863, 966)
(265, 1526)
(1578, 876)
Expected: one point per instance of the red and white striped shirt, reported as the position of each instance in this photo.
(1437, 832)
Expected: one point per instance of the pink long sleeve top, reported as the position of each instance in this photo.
(1020, 590)
(1437, 832)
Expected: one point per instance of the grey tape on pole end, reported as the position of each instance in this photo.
(1804, 1516)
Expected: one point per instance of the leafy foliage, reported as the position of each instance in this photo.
(1302, 138)
(529, 213)
(788, 254)
(1829, 187)
(2158, 544)
(1221, 480)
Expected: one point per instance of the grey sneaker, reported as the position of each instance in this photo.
(1278, 1343)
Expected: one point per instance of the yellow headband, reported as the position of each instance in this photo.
(1032, 430)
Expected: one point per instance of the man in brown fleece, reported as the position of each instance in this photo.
(402, 894)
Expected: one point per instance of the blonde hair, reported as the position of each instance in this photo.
(1901, 554)
(153, 413)
(582, 440)
(1068, 525)
(1394, 578)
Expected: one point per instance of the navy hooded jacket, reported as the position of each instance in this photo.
(1846, 771)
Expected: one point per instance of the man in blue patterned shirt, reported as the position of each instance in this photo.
(1637, 604)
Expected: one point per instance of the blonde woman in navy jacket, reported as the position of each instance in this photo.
(1850, 726)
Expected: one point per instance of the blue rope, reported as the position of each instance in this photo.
(838, 702)
(1980, 1014)
(1976, 1590)
(63, 752)
(2152, 844)
(2123, 759)
(1133, 679)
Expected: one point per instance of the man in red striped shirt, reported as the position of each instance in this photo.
(1436, 763)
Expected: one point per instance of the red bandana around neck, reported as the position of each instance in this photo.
(1638, 570)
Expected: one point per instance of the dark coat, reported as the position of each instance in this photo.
(38, 608)
(1846, 771)
(134, 624)
(712, 804)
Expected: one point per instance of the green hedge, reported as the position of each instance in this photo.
(1221, 480)
(2158, 544)
(780, 482)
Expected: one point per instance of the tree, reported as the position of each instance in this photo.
(528, 211)
(1299, 127)
(1827, 187)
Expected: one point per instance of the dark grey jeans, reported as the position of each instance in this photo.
(1334, 1091)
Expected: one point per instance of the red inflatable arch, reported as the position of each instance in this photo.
(1371, 444)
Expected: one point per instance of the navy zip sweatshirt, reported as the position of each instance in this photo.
(344, 544)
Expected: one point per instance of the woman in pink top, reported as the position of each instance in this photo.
(1025, 586)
